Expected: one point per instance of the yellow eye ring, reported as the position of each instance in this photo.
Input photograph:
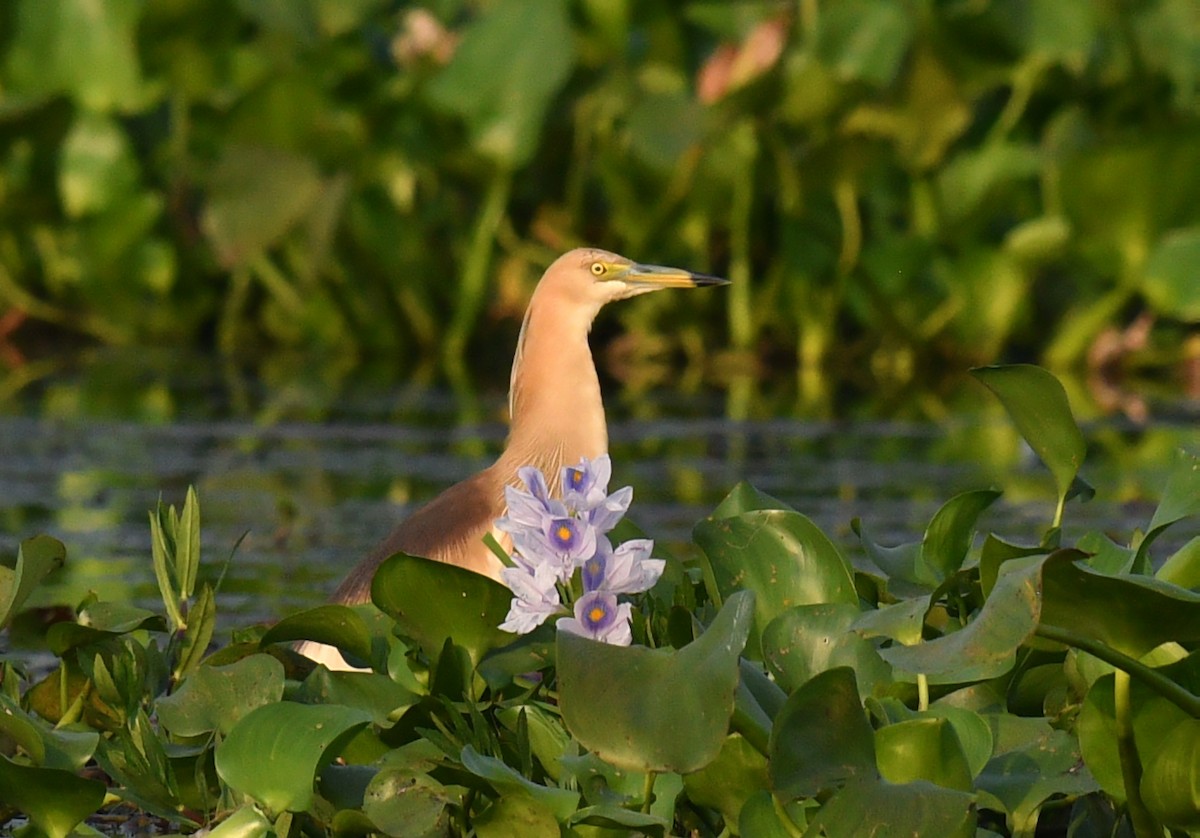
(597, 269)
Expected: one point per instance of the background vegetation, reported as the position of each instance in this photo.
(888, 183)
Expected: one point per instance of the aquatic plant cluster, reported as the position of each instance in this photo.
(981, 178)
(761, 685)
(557, 542)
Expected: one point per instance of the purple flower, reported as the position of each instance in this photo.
(585, 486)
(599, 616)
(535, 597)
(626, 570)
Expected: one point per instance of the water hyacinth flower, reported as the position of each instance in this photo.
(553, 539)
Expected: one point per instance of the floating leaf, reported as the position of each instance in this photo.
(781, 556)
(217, 697)
(726, 783)
(1181, 498)
(516, 816)
(273, 753)
(821, 737)
(246, 822)
(746, 498)
(433, 601)
(1037, 404)
(654, 709)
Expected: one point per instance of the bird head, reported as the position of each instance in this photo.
(598, 276)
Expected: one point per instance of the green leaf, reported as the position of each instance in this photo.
(561, 803)
(378, 694)
(403, 802)
(902, 621)
(47, 747)
(255, 195)
(99, 621)
(202, 622)
(273, 753)
(868, 806)
(763, 817)
(97, 168)
(922, 749)
(75, 47)
(655, 710)
(187, 545)
(55, 800)
(1180, 500)
(985, 647)
(335, 625)
(516, 816)
(434, 601)
(36, 557)
(502, 90)
(1169, 276)
(1025, 773)
(217, 697)
(1037, 404)
(864, 41)
(1171, 782)
(781, 556)
(808, 639)
(821, 737)
(726, 783)
(246, 822)
(1182, 568)
(745, 498)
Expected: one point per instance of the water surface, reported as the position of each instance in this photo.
(313, 466)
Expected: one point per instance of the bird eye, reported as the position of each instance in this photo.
(597, 269)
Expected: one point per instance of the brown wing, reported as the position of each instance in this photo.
(450, 528)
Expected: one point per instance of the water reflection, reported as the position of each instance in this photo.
(315, 463)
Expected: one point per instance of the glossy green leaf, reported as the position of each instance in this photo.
(273, 753)
(610, 816)
(986, 646)
(781, 556)
(432, 601)
(726, 783)
(55, 800)
(948, 536)
(1152, 718)
(503, 93)
(36, 557)
(246, 822)
(1039, 763)
(97, 168)
(922, 749)
(505, 780)
(972, 731)
(746, 498)
(1037, 404)
(808, 639)
(187, 544)
(1181, 498)
(821, 737)
(868, 806)
(548, 739)
(334, 625)
(902, 621)
(516, 816)
(763, 817)
(67, 749)
(654, 709)
(1171, 782)
(217, 697)
(1182, 568)
(1169, 276)
(202, 623)
(403, 802)
(101, 620)
(378, 694)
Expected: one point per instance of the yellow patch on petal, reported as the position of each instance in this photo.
(596, 614)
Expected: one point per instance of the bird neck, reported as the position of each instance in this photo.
(556, 409)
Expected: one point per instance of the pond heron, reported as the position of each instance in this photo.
(555, 410)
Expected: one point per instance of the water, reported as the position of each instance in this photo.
(311, 466)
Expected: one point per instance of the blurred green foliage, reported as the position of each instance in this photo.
(885, 182)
